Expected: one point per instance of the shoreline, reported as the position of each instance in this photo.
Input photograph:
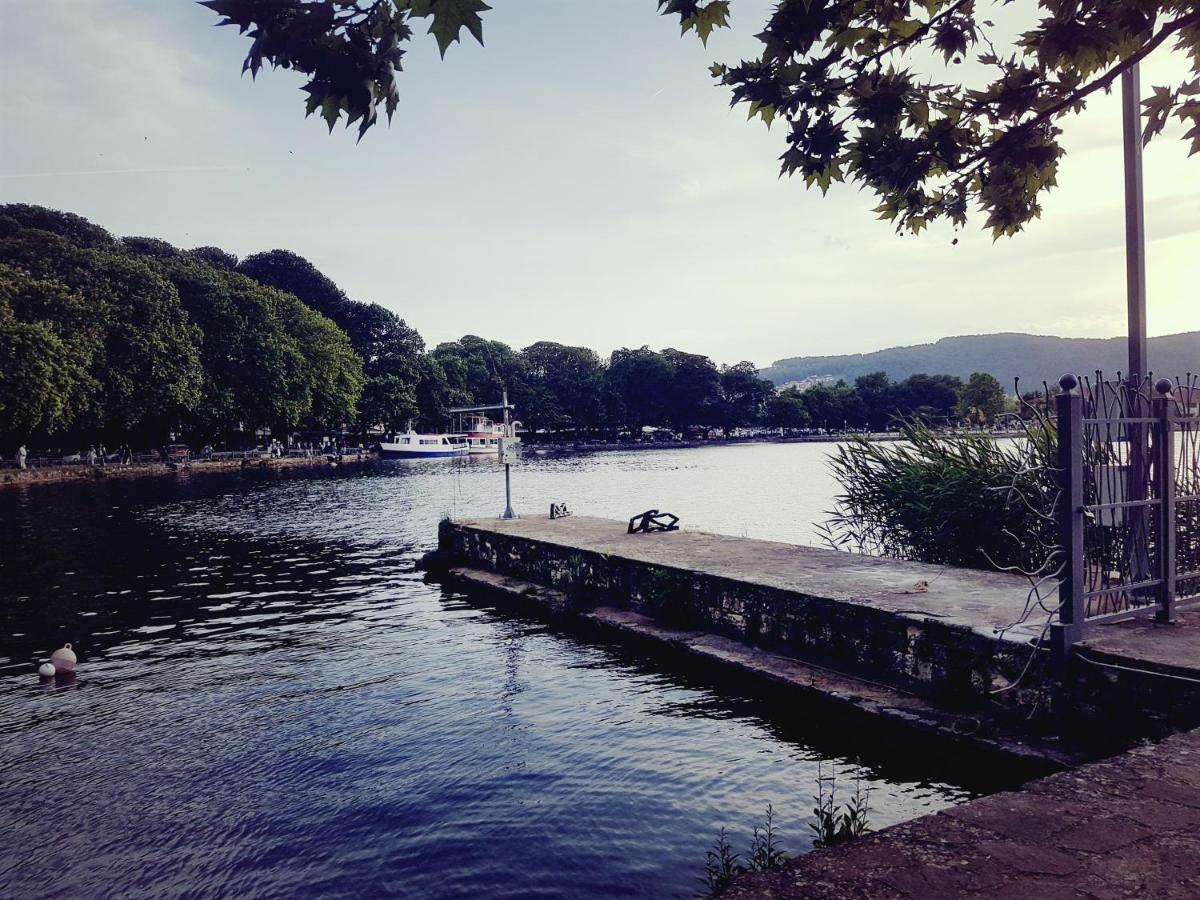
(76, 473)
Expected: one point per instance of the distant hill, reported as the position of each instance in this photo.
(1032, 357)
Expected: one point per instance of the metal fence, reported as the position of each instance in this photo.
(1129, 462)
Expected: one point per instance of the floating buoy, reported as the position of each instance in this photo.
(64, 659)
(46, 670)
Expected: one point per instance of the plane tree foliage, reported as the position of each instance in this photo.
(565, 386)
(390, 349)
(786, 410)
(871, 92)
(48, 340)
(147, 367)
(743, 396)
(133, 339)
(981, 400)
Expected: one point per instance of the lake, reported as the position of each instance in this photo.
(272, 703)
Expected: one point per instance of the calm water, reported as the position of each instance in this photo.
(272, 703)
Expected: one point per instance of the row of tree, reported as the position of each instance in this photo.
(874, 402)
(133, 339)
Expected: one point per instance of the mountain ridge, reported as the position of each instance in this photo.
(1008, 355)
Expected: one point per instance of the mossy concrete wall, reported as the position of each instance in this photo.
(952, 665)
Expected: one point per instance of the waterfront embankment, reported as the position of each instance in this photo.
(931, 647)
(923, 650)
(13, 477)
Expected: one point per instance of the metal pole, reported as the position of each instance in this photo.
(1071, 610)
(1164, 475)
(1135, 222)
(508, 510)
(1135, 292)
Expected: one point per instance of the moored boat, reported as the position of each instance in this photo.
(411, 445)
(481, 435)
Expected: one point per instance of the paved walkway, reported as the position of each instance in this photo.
(1128, 827)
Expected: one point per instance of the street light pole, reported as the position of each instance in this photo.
(1135, 291)
(1135, 222)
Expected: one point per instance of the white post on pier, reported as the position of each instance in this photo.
(505, 459)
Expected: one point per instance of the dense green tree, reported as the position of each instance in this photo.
(293, 274)
(48, 340)
(389, 348)
(215, 257)
(641, 380)
(391, 353)
(880, 399)
(981, 399)
(787, 410)
(434, 394)
(841, 76)
(269, 360)
(155, 248)
(333, 372)
(929, 397)
(75, 229)
(148, 367)
(834, 406)
(478, 370)
(743, 396)
(564, 387)
(694, 398)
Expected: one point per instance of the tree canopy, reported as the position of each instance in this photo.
(133, 338)
(867, 91)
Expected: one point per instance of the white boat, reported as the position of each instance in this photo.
(410, 445)
(482, 435)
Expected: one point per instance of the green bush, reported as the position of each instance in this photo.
(956, 499)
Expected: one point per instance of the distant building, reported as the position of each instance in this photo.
(811, 381)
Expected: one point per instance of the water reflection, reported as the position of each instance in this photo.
(272, 703)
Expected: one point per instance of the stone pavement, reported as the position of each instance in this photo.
(1127, 827)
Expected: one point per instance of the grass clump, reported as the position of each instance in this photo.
(958, 499)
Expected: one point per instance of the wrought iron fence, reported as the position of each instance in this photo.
(1129, 461)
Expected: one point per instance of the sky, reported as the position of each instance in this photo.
(579, 179)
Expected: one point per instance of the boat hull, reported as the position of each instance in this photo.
(414, 453)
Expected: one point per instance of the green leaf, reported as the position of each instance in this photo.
(706, 18)
(449, 18)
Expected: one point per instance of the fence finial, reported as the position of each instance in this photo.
(1068, 382)
(1164, 386)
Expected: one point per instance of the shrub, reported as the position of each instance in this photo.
(956, 499)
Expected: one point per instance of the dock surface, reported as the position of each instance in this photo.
(1127, 827)
(987, 603)
(981, 601)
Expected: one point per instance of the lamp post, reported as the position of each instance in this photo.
(1137, 403)
(1135, 222)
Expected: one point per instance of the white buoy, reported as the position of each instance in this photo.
(46, 670)
(64, 659)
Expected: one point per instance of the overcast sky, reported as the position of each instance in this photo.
(578, 180)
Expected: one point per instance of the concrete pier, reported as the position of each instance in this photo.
(924, 649)
(937, 635)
